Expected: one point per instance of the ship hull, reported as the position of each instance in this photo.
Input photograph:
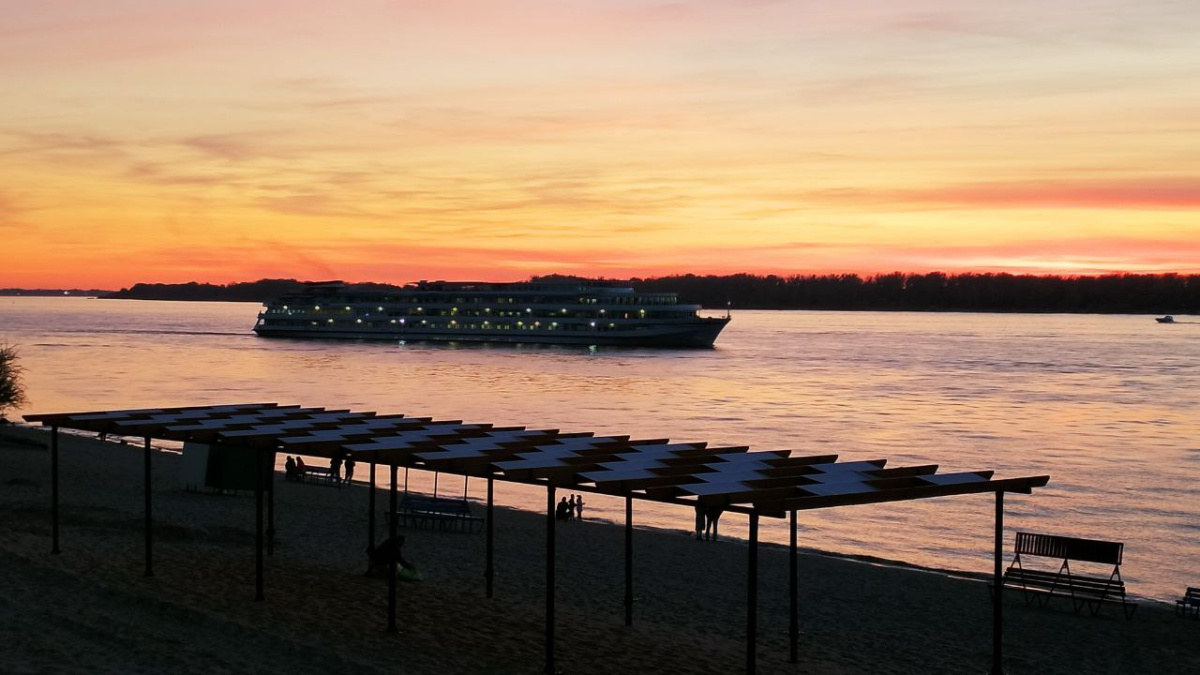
(684, 336)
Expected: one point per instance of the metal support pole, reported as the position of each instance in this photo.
(489, 571)
(149, 521)
(466, 485)
(371, 511)
(406, 480)
(395, 557)
(258, 525)
(270, 474)
(998, 592)
(550, 579)
(435, 481)
(54, 490)
(752, 598)
(794, 600)
(628, 561)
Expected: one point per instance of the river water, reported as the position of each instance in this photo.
(1108, 406)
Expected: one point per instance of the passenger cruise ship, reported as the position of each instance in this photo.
(558, 312)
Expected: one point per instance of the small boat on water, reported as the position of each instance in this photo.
(1166, 319)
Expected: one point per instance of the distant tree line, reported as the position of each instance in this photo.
(246, 291)
(52, 292)
(971, 292)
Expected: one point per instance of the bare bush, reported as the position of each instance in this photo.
(12, 392)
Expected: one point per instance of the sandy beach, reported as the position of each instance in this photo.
(90, 610)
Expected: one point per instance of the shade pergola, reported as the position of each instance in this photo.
(772, 483)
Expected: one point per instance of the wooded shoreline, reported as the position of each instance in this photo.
(897, 291)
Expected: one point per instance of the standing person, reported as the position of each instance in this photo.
(349, 469)
(700, 520)
(579, 508)
(300, 468)
(711, 515)
(571, 508)
(560, 512)
(289, 468)
(335, 468)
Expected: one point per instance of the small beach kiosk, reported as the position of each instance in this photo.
(759, 484)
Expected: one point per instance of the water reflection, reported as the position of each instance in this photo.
(1106, 404)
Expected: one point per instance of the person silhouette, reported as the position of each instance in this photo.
(560, 513)
(571, 508)
(335, 468)
(711, 515)
(579, 507)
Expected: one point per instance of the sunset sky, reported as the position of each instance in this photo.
(224, 140)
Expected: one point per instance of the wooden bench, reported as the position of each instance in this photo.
(1084, 591)
(320, 475)
(440, 513)
(1189, 604)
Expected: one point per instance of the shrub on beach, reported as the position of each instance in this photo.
(12, 392)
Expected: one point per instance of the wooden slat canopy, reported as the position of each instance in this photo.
(761, 483)
(769, 482)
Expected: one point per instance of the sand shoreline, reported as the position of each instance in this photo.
(90, 610)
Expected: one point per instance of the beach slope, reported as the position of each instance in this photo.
(90, 609)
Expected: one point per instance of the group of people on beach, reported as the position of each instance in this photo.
(706, 521)
(294, 468)
(569, 510)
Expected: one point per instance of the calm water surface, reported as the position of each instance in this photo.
(1109, 406)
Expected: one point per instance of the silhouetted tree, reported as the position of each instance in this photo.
(12, 392)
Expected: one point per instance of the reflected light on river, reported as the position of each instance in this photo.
(1107, 405)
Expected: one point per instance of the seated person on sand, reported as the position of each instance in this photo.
(380, 558)
(289, 468)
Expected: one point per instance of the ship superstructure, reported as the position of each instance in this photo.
(560, 312)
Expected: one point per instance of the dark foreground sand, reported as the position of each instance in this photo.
(89, 610)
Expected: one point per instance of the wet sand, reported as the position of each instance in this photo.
(90, 610)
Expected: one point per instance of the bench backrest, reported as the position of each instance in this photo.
(1070, 548)
(434, 503)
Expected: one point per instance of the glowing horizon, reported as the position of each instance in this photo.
(394, 141)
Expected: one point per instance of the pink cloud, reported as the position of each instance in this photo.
(1150, 193)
